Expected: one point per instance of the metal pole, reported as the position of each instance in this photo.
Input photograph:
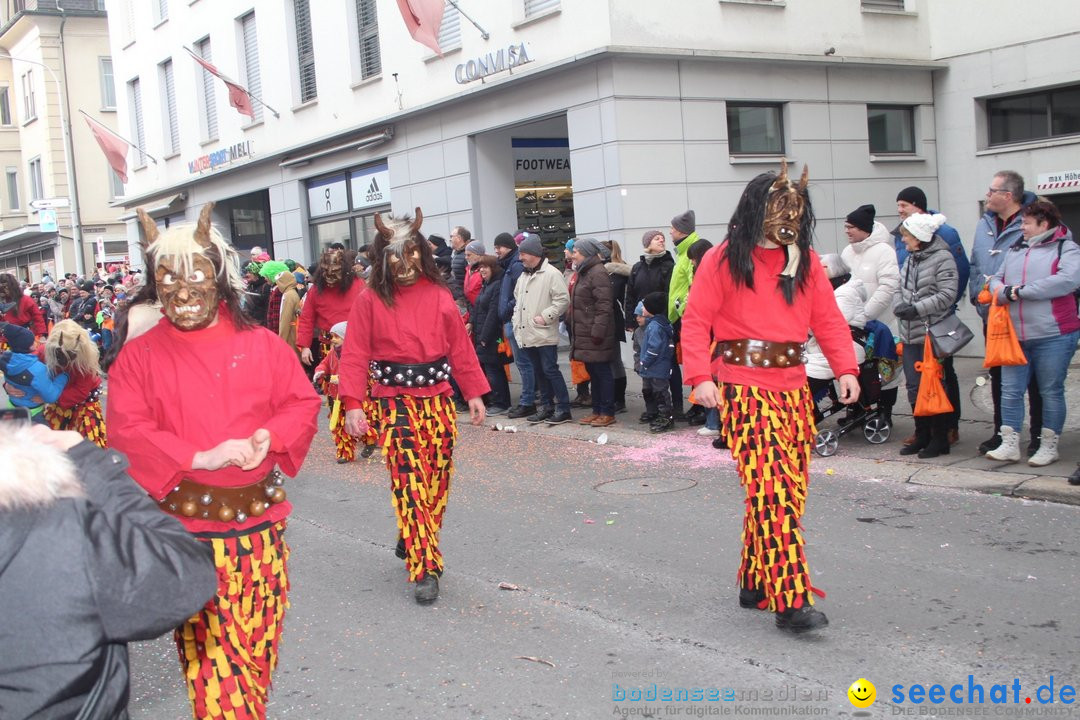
(76, 230)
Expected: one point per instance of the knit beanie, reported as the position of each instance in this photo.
(913, 195)
(587, 247)
(648, 236)
(923, 226)
(862, 217)
(655, 303)
(685, 223)
(18, 338)
(531, 245)
(506, 240)
(475, 246)
(339, 329)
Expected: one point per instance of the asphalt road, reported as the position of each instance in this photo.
(635, 587)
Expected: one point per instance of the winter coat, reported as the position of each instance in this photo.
(457, 274)
(88, 563)
(27, 380)
(257, 300)
(620, 277)
(590, 317)
(539, 292)
(657, 349)
(1047, 271)
(851, 298)
(952, 239)
(290, 308)
(928, 282)
(649, 274)
(82, 307)
(873, 261)
(486, 327)
(681, 277)
(512, 268)
(988, 250)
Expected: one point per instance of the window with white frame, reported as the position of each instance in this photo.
(37, 181)
(170, 122)
(12, 188)
(252, 76)
(755, 128)
(450, 30)
(129, 21)
(108, 87)
(208, 97)
(539, 7)
(138, 131)
(883, 4)
(891, 129)
(116, 185)
(5, 105)
(367, 25)
(305, 50)
(29, 101)
(161, 10)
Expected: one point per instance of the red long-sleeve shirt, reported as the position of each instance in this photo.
(323, 309)
(27, 314)
(422, 326)
(718, 309)
(174, 393)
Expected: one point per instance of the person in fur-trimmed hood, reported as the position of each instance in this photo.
(117, 569)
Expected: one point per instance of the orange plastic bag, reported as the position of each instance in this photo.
(932, 399)
(578, 373)
(1002, 345)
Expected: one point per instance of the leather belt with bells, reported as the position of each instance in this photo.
(191, 499)
(760, 353)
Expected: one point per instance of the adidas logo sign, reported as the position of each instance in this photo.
(374, 193)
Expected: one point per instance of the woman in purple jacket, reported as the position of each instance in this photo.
(1037, 280)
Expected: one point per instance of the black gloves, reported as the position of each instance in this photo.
(906, 311)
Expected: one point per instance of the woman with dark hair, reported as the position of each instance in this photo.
(590, 317)
(1037, 280)
(19, 309)
(487, 330)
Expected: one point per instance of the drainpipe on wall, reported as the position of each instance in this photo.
(73, 182)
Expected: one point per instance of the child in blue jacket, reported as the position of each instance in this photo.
(657, 358)
(26, 379)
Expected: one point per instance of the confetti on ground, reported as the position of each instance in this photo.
(830, 471)
(610, 522)
(530, 658)
(589, 521)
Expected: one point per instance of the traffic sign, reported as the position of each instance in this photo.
(46, 203)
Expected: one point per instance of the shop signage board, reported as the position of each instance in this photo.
(327, 196)
(370, 187)
(48, 203)
(220, 158)
(47, 220)
(541, 160)
(101, 249)
(499, 61)
(1059, 182)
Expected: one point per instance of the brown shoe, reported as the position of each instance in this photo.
(603, 420)
(588, 419)
(911, 439)
(954, 436)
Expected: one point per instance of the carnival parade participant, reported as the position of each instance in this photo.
(406, 332)
(758, 295)
(27, 382)
(69, 350)
(326, 303)
(19, 309)
(190, 407)
(344, 443)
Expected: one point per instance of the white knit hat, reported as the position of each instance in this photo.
(923, 226)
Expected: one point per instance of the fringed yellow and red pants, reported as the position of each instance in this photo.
(418, 439)
(85, 418)
(771, 435)
(343, 441)
(325, 348)
(229, 649)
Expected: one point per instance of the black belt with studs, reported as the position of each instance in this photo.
(396, 374)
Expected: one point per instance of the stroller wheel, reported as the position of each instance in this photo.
(826, 442)
(877, 430)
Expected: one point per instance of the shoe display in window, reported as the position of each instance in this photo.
(567, 227)
(527, 198)
(531, 212)
(549, 197)
(549, 212)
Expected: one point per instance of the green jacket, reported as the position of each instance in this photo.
(680, 279)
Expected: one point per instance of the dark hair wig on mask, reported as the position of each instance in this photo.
(745, 231)
(143, 295)
(10, 283)
(381, 279)
(348, 276)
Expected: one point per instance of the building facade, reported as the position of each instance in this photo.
(55, 213)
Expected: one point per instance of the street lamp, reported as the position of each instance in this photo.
(76, 229)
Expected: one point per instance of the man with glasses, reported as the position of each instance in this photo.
(997, 231)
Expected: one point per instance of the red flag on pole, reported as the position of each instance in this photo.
(239, 97)
(114, 147)
(423, 18)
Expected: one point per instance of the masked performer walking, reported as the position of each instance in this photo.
(406, 333)
(70, 350)
(758, 295)
(189, 405)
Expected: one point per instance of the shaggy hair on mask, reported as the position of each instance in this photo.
(35, 474)
(382, 275)
(70, 349)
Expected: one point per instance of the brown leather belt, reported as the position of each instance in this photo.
(192, 499)
(760, 353)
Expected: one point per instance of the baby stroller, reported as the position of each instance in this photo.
(865, 414)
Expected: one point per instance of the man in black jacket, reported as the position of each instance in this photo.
(88, 563)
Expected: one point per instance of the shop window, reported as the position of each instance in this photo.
(12, 188)
(5, 106)
(755, 129)
(208, 97)
(892, 129)
(342, 207)
(171, 123)
(252, 74)
(305, 50)
(367, 25)
(108, 89)
(1034, 116)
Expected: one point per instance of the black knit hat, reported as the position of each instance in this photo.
(504, 239)
(862, 217)
(655, 303)
(913, 195)
(531, 245)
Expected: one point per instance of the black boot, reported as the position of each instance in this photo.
(922, 437)
(399, 551)
(620, 395)
(801, 620)
(939, 437)
(1074, 479)
(427, 589)
(993, 443)
(750, 599)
